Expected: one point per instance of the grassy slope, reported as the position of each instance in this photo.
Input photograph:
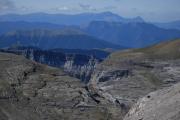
(163, 51)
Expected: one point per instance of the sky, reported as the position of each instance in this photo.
(150, 10)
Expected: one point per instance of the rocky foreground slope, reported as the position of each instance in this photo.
(30, 91)
(160, 105)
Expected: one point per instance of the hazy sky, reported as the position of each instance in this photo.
(150, 10)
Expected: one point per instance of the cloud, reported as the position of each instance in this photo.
(134, 9)
(6, 5)
(117, 0)
(87, 7)
(109, 8)
(80, 7)
(62, 8)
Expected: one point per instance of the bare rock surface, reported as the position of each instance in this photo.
(163, 104)
(31, 91)
(124, 86)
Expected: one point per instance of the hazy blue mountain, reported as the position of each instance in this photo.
(51, 39)
(169, 25)
(67, 19)
(130, 34)
(123, 34)
(21, 25)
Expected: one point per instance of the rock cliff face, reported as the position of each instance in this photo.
(77, 65)
(30, 91)
(82, 72)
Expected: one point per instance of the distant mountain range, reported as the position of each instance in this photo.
(7, 26)
(65, 19)
(169, 25)
(108, 30)
(130, 34)
(51, 39)
(78, 19)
